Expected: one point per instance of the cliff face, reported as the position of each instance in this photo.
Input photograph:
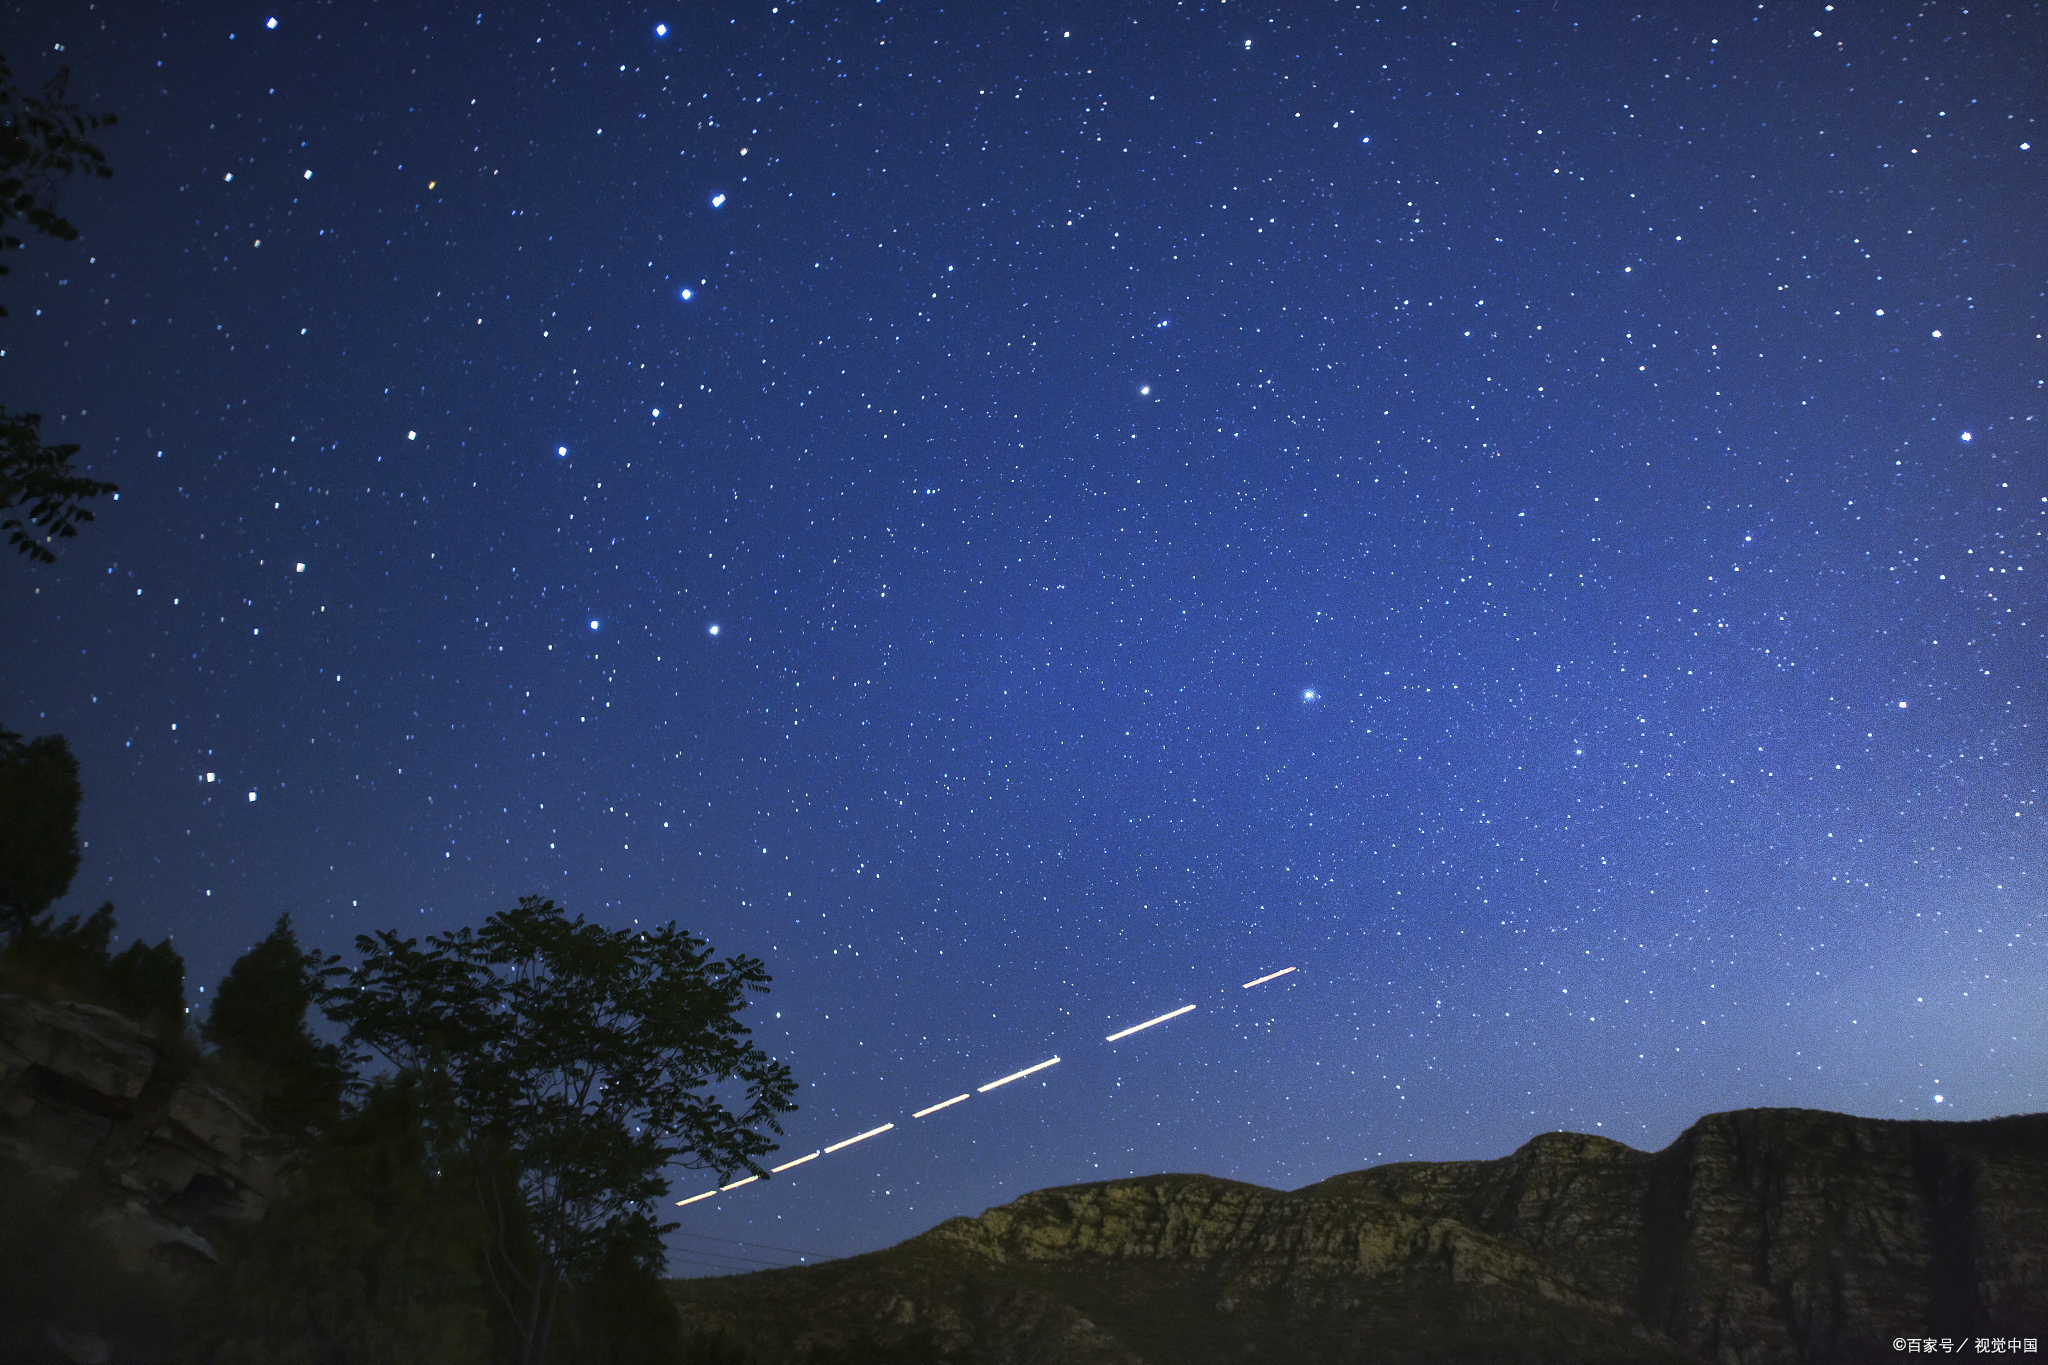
(92, 1107)
(1763, 1237)
(1777, 1235)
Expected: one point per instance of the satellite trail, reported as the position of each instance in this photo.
(859, 1137)
(1015, 1075)
(1138, 1028)
(978, 1090)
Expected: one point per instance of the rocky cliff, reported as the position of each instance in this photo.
(1762, 1237)
(105, 1127)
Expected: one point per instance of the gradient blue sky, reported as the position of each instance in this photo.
(1026, 520)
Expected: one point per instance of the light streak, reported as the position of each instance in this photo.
(1135, 1028)
(978, 1090)
(862, 1137)
(1015, 1076)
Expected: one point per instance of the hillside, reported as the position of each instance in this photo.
(1758, 1237)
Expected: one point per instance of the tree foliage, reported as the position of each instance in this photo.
(39, 796)
(76, 957)
(39, 851)
(43, 141)
(258, 1022)
(147, 980)
(580, 1062)
(370, 1257)
(41, 479)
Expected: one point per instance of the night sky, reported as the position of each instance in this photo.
(1534, 518)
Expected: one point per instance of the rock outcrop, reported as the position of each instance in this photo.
(1762, 1237)
(93, 1106)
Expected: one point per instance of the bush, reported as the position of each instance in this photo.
(622, 1316)
(916, 1348)
(714, 1348)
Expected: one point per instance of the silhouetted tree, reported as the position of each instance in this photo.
(578, 1061)
(371, 1255)
(147, 981)
(258, 1019)
(144, 981)
(39, 795)
(41, 478)
(42, 143)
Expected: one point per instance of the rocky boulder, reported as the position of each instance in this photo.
(92, 1104)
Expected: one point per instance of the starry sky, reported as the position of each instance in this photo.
(1026, 520)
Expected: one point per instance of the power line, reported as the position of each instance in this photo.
(766, 1246)
(727, 1269)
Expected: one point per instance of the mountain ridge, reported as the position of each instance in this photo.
(1756, 1237)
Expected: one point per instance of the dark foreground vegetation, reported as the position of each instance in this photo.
(469, 1172)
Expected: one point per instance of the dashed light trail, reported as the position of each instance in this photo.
(964, 1095)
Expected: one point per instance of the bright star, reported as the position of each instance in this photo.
(661, 30)
(561, 450)
(714, 628)
(1966, 436)
(717, 200)
(1309, 694)
(593, 623)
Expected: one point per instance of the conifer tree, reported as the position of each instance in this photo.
(258, 1019)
